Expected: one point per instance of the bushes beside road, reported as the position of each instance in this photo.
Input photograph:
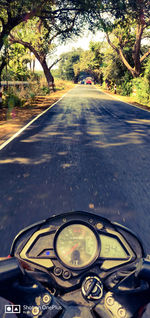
(20, 105)
(137, 88)
(27, 96)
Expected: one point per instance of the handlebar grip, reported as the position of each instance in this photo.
(9, 269)
(144, 272)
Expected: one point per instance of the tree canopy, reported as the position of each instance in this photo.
(55, 15)
(125, 30)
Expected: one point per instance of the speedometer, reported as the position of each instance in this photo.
(77, 245)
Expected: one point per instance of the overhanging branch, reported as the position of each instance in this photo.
(25, 44)
(120, 53)
(111, 44)
(50, 67)
(145, 55)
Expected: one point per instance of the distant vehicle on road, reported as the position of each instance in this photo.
(88, 82)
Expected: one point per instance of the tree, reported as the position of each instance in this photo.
(127, 38)
(125, 24)
(17, 59)
(66, 66)
(114, 71)
(56, 16)
(32, 35)
(12, 13)
(51, 12)
(38, 37)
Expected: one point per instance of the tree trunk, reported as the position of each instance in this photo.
(132, 70)
(136, 49)
(48, 75)
(2, 65)
(136, 70)
(33, 66)
(40, 57)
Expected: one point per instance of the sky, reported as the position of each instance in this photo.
(82, 42)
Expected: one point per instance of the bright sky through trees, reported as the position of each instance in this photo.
(80, 42)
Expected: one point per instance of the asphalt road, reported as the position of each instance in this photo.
(89, 152)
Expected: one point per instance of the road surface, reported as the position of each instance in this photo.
(89, 152)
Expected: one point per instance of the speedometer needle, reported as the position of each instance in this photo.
(72, 249)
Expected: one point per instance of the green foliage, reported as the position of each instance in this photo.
(32, 95)
(84, 63)
(34, 32)
(17, 60)
(24, 95)
(11, 99)
(45, 90)
(125, 24)
(90, 61)
(112, 67)
(142, 87)
(103, 13)
(14, 100)
(78, 63)
(66, 70)
(147, 71)
(13, 12)
(42, 21)
(56, 73)
(126, 88)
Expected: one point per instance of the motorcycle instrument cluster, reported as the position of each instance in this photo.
(66, 246)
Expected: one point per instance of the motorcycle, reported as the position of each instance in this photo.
(76, 265)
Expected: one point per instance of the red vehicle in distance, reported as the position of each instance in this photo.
(88, 82)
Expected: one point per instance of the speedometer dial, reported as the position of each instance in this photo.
(77, 246)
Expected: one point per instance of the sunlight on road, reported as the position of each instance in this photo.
(39, 136)
(95, 133)
(139, 121)
(67, 165)
(27, 161)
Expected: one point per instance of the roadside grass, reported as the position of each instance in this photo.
(33, 101)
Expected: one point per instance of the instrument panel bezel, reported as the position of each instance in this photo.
(79, 222)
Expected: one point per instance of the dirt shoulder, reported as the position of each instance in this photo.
(22, 115)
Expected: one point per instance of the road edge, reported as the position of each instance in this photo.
(5, 143)
(117, 98)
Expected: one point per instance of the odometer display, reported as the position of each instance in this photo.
(77, 246)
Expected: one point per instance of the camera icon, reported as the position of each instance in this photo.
(8, 309)
(12, 309)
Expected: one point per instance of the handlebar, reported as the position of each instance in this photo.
(9, 269)
(19, 287)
